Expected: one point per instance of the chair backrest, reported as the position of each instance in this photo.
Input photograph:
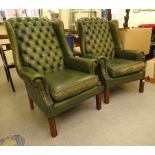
(35, 44)
(98, 36)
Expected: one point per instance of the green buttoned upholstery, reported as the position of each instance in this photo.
(55, 80)
(36, 40)
(99, 39)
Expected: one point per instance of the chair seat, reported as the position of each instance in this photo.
(119, 67)
(67, 83)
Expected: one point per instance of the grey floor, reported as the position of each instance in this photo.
(129, 119)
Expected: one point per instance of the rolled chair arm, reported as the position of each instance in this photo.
(29, 74)
(102, 64)
(130, 54)
(87, 65)
(45, 94)
(37, 80)
(95, 56)
(103, 68)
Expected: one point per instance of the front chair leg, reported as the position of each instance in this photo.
(52, 126)
(98, 101)
(31, 103)
(141, 86)
(106, 94)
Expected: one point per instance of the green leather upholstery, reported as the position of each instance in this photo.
(55, 80)
(67, 83)
(119, 67)
(36, 40)
(99, 39)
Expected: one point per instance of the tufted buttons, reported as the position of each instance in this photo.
(32, 29)
(38, 44)
(44, 41)
(46, 61)
(31, 57)
(98, 36)
(40, 55)
(43, 49)
(38, 62)
(38, 36)
(51, 66)
(34, 24)
(48, 29)
(44, 68)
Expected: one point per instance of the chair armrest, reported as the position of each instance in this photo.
(87, 65)
(37, 80)
(29, 74)
(95, 56)
(130, 54)
(102, 61)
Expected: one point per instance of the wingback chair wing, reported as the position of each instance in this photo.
(55, 80)
(99, 39)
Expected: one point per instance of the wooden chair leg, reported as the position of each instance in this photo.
(6, 73)
(98, 101)
(106, 95)
(11, 82)
(141, 86)
(10, 79)
(31, 103)
(52, 126)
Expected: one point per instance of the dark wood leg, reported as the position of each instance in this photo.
(52, 126)
(11, 82)
(141, 86)
(31, 103)
(98, 101)
(106, 94)
(6, 73)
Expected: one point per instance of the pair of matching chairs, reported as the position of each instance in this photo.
(55, 80)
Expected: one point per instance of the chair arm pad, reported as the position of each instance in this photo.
(102, 64)
(130, 54)
(95, 56)
(29, 74)
(87, 65)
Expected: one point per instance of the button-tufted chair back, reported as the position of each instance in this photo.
(97, 36)
(38, 45)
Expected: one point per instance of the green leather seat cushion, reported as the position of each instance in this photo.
(119, 67)
(67, 83)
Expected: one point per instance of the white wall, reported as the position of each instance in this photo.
(119, 15)
(135, 19)
(64, 16)
(144, 17)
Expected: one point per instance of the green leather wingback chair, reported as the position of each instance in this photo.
(55, 80)
(99, 39)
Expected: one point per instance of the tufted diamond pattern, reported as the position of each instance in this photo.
(98, 38)
(39, 47)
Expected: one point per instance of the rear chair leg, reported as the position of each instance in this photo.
(98, 101)
(31, 103)
(52, 126)
(106, 94)
(141, 86)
